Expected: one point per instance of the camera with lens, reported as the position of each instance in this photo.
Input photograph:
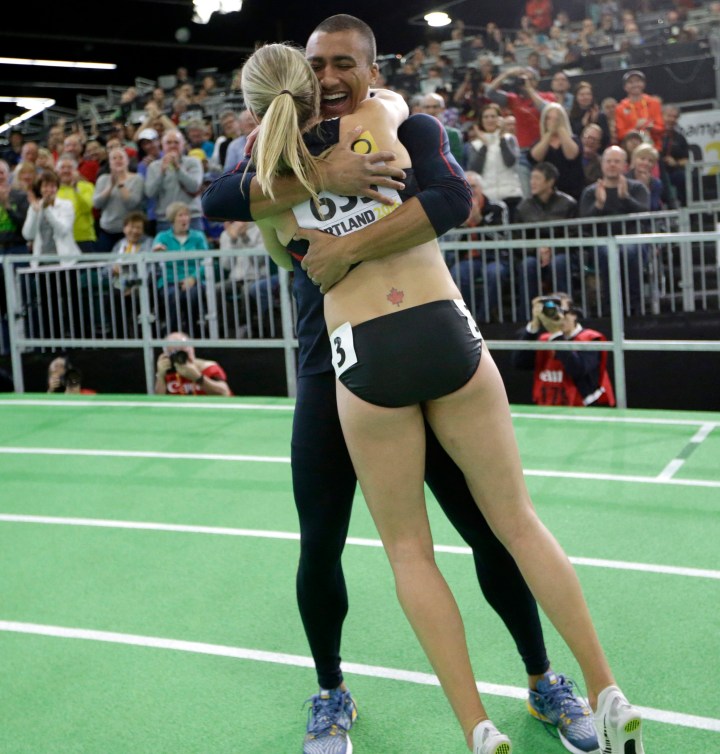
(71, 377)
(552, 307)
(178, 358)
(516, 84)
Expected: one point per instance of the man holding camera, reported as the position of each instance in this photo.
(179, 372)
(65, 377)
(564, 378)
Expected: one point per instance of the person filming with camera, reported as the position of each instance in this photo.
(179, 372)
(564, 378)
(64, 377)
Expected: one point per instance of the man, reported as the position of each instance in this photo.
(674, 152)
(544, 205)
(639, 111)
(180, 372)
(236, 149)
(615, 194)
(175, 177)
(564, 378)
(230, 129)
(489, 268)
(560, 87)
(434, 104)
(88, 169)
(341, 50)
(591, 140)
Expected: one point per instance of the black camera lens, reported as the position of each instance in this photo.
(178, 358)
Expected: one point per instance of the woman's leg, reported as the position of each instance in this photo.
(387, 447)
(474, 426)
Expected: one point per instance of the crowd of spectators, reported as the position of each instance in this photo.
(87, 187)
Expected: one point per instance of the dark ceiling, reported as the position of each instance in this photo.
(141, 37)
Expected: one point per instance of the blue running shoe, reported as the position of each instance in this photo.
(330, 717)
(556, 704)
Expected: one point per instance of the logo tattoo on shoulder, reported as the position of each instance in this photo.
(395, 296)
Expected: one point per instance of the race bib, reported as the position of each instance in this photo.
(343, 348)
(341, 215)
(462, 307)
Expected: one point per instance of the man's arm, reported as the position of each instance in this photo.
(237, 195)
(444, 202)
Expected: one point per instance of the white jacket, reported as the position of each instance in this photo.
(499, 181)
(61, 217)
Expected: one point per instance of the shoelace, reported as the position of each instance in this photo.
(562, 695)
(324, 712)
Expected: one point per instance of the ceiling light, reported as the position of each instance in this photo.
(437, 18)
(205, 8)
(58, 63)
(32, 106)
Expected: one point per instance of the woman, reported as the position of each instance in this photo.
(643, 164)
(494, 155)
(385, 317)
(79, 193)
(584, 111)
(608, 106)
(560, 147)
(117, 193)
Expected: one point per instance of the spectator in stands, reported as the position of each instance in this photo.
(79, 192)
(196, 136)
(675, 152)
(129, 103)
(643, 163)
(545, 268)
(236, 150)
(49, 220)
(494, 38)
(433, 82)
(95, 151)
(179, 114)
(639, 111)
(117, 193)
(175, 177)
(24, 176)
(630, 142)
(564, 378)
(406, 79)
(13, 211)
(523, 101)
(182, 283)
(560, 87)
(480, 274)
(494, 155)
(74, 146)
(434, 104)
(159, 98)
(230, 129)
(29, 152)
(585, 110)
(558, 146)
(540, 14)
(615, 194)
(148, 151)
(554, 48)
(608, 106)
(11, 154)
(65, 377)
(607, 29)
(134, 239)
(591, 140)
(588, 37)
(155, 120)
(45, 160)
(181, 372)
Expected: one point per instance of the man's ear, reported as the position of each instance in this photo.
(374, 73)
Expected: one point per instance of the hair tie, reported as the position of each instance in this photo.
(285, 91)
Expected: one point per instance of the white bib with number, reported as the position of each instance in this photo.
(343, 348)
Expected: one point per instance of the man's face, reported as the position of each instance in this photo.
(635, 86)
(341, 63)
(539, 184)
(670, 116)
(591, 141)
(613, 162)
(433, 104)
(560, 83)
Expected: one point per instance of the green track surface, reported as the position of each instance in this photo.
(229, 585)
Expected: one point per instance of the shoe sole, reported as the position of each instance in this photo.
(627, 738)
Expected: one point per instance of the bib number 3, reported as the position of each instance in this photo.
(343, 348)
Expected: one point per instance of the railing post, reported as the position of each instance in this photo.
(12, 316)
(146, 319)
(616, 322)
(287, 332)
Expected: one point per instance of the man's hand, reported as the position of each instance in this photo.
(622, 187)
(348, 173)
(600, 194)
(326, 262)
(164, 364)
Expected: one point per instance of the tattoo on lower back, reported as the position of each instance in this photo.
(395, 296)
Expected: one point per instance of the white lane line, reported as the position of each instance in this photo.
(676, 464)
(89, 452)
(668, 717)
(356, 541)
(212, 406)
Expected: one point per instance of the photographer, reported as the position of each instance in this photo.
(65, 377)
(180, 373)
(564, 378)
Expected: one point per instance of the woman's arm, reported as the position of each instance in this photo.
(278, 253)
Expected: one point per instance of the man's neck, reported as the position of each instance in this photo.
(545, 196)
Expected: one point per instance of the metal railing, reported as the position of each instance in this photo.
(106, 301)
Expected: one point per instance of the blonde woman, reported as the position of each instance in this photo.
(405, 350)
(643, 168)
(560, 147)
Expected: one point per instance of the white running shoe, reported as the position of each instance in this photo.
(488, 740)
(618, 724)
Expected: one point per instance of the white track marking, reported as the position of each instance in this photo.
(356, 541)
(676, 464)
(89, 452)
(239, 653)
(212, 406)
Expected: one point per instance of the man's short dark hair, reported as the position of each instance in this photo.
(345, 22)
(549, 171)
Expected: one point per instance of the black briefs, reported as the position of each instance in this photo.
(408, 357)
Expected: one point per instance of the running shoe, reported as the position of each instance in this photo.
(330, 717)
(487, 739)
(618, 723)
(556, 704)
